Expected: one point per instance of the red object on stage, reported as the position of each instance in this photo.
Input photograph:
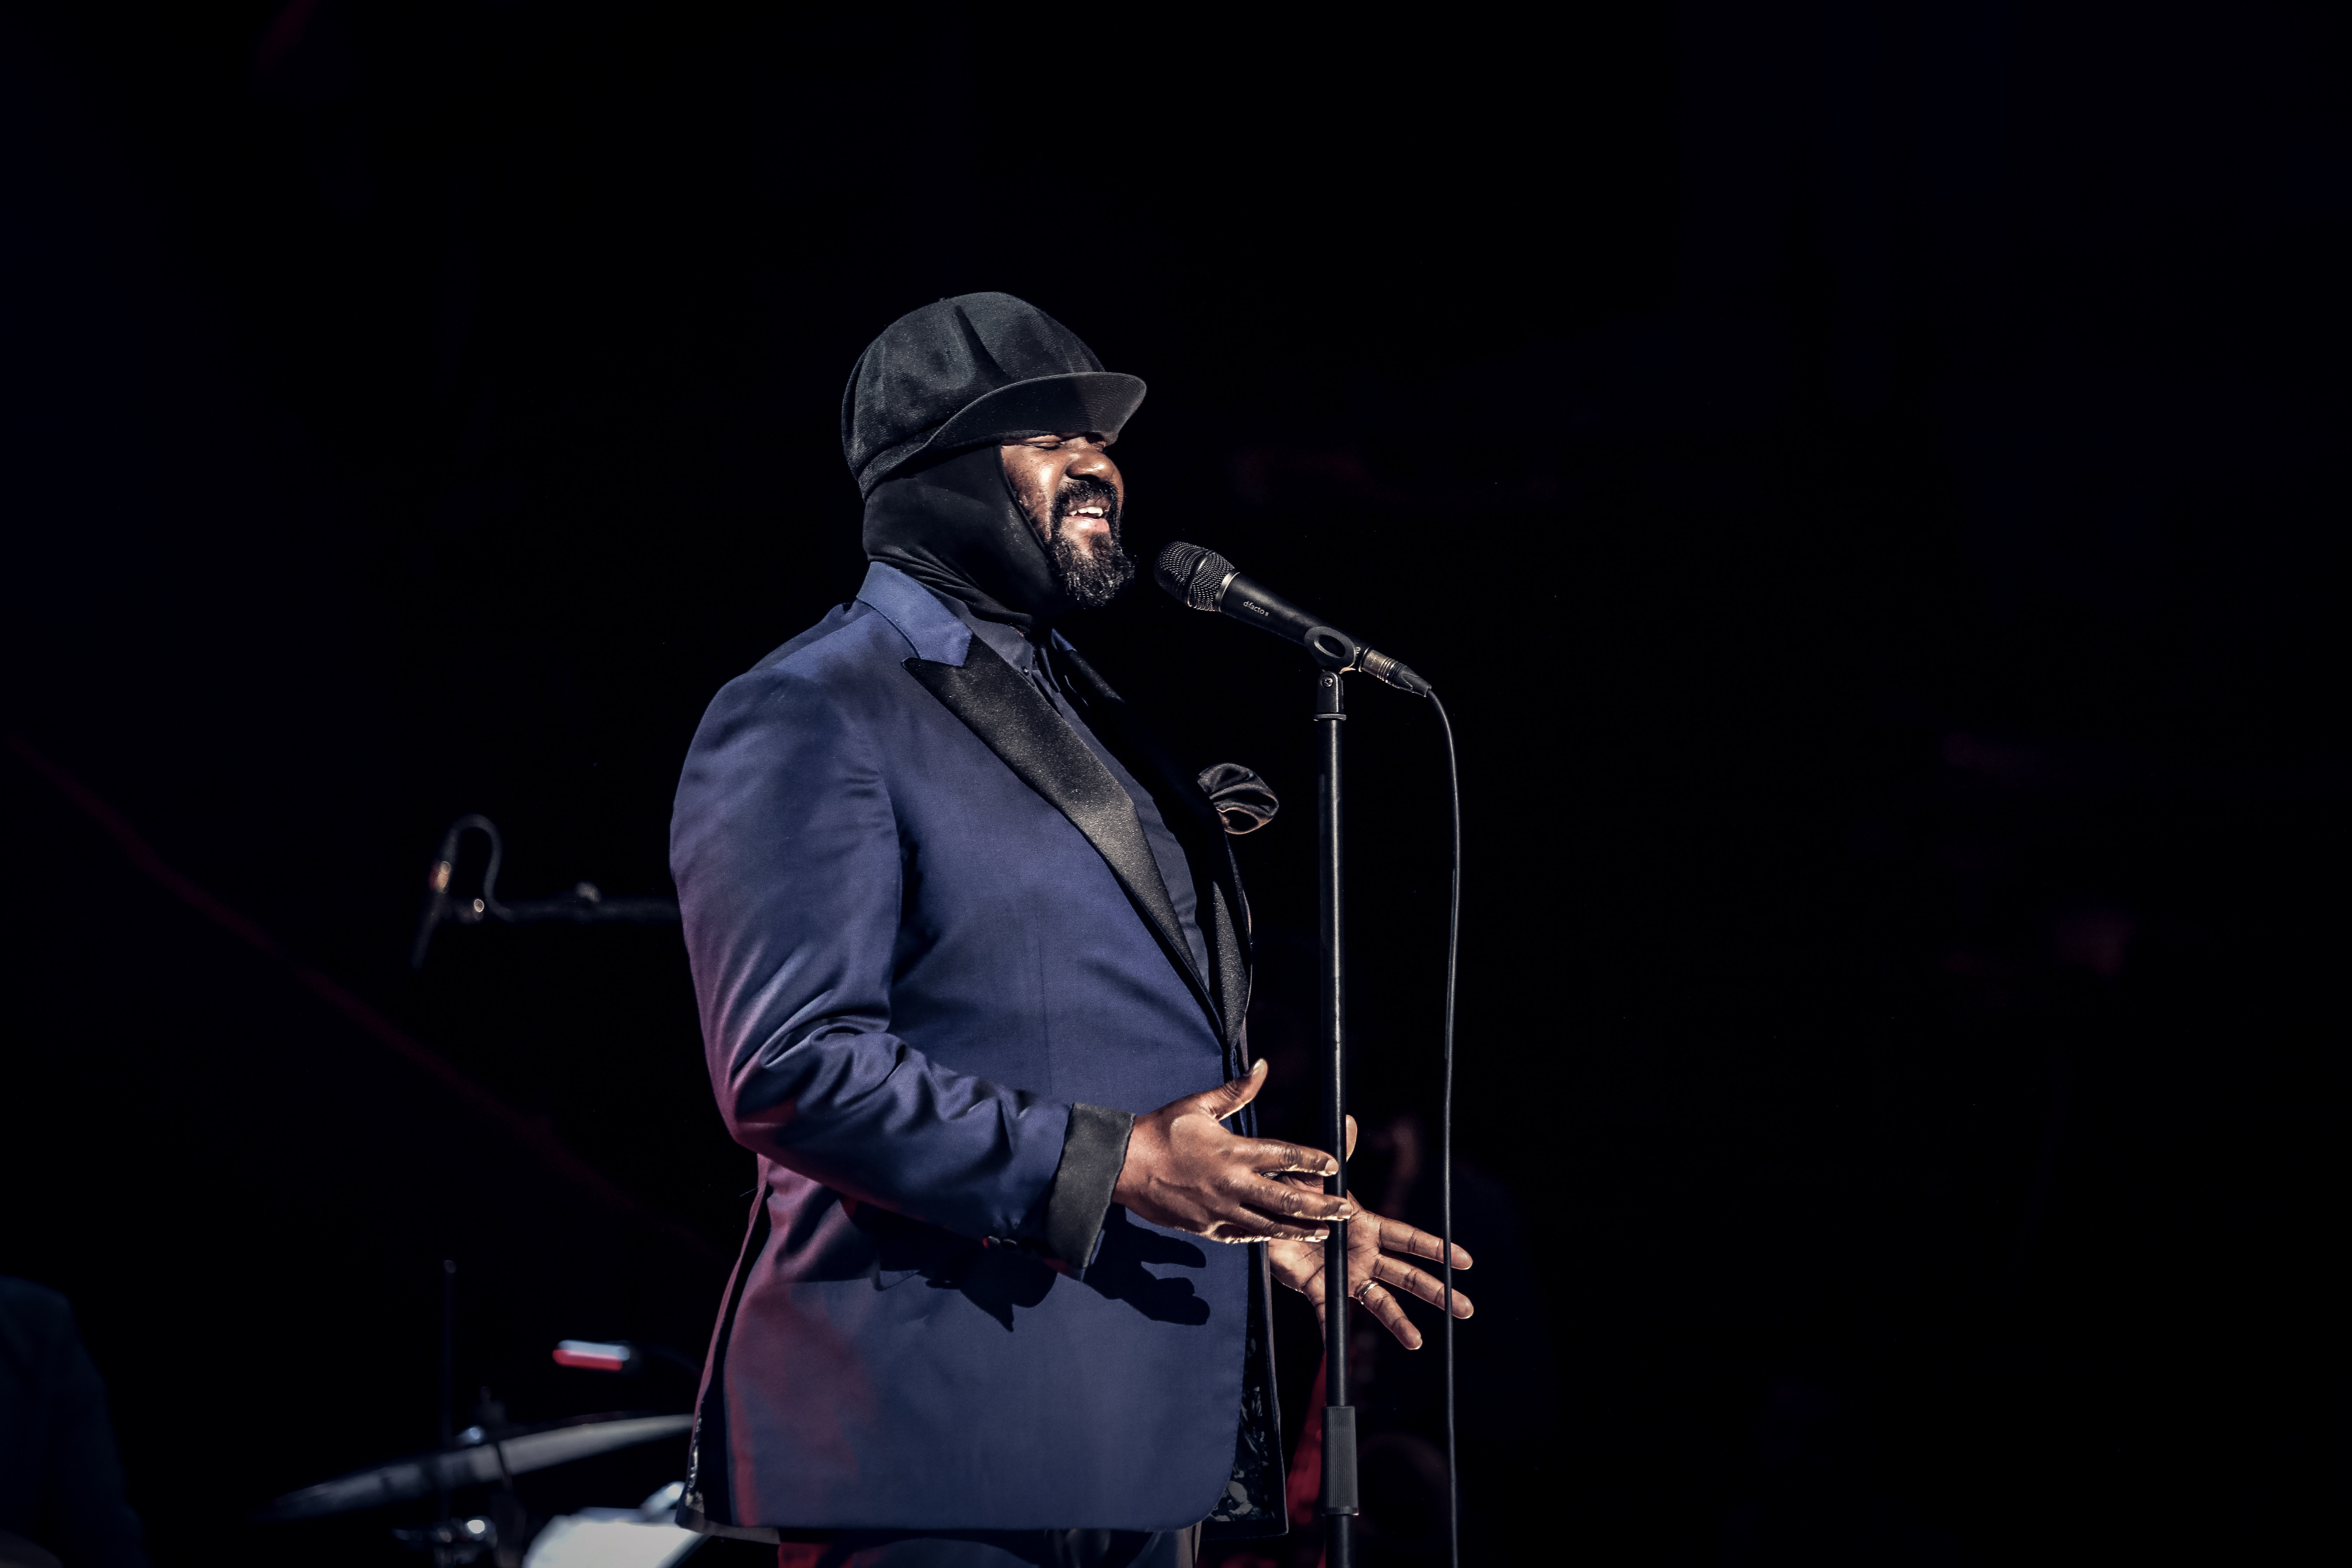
(589, 1356)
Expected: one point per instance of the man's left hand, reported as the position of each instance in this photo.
(1377, 1249)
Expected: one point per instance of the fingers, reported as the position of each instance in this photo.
(1268, 1157)
(1222, 1218)
(1284, 1201)
(1242, 1205)
(1257, 1228)
(1185, 1169)
(1379, 1290)
(1398, 1236)
(1351, 1138)
(1398, 1276)
(1231, 1095)
(1231, 1218)
(1300, 1268)
(1376, 1299)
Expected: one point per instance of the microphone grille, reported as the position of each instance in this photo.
(1189, 572)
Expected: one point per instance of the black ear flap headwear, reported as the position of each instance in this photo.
(954, 527)
(977, 368)
(927, 405)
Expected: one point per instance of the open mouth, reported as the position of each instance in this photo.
(1089, 510)
(1087, 560)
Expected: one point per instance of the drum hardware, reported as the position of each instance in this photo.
(486, 1460)
(491, 1452)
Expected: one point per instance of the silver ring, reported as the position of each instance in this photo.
(1359, 1293)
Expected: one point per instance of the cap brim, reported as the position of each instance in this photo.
(1100, 401)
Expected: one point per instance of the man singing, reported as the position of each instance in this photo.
(972, 961)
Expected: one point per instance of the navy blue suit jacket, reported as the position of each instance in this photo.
(924, 924)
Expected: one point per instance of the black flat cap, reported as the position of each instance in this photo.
(967, 372)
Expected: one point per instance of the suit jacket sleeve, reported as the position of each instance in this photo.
(789, 865)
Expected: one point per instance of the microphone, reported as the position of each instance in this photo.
(1207, 581)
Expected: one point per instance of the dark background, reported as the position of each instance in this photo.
(1864, 478)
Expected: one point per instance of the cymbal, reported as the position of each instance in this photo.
(524, 1448)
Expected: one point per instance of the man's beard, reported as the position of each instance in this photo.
(1090, 577)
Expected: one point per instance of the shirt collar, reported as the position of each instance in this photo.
(932, 624)
(940, 628)
(1010, 645)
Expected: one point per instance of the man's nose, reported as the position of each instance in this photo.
(1094, 464)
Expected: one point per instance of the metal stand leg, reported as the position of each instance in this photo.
(1339, 1501)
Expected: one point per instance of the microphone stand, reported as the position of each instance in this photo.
(1207, 581)
(584, 905)
(1340, 1501)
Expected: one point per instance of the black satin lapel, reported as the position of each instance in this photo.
(1012, 719)
(1230, 940)
(1223, 911)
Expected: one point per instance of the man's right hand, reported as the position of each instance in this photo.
(1186, 1171)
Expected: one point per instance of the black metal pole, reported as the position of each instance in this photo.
(1339, 1501)
(449, 1379)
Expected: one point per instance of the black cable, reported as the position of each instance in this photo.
(1445, 1138)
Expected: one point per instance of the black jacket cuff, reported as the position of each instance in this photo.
(1093, 1152)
